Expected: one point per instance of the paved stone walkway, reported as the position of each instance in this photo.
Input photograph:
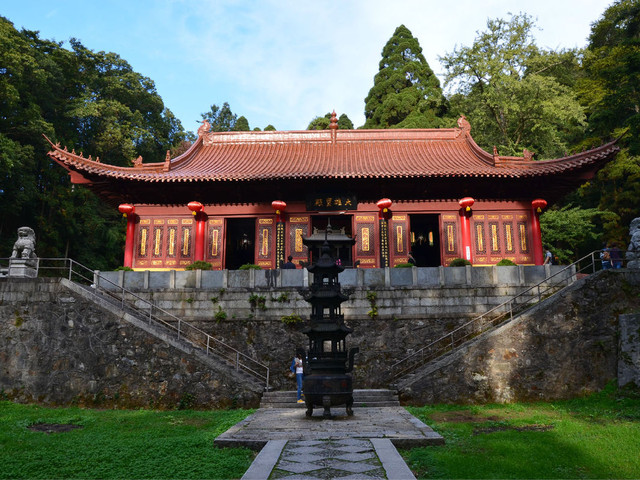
(348, 458)
(362, 446)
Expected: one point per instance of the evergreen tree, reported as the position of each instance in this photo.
(222, 119)
(405, 93)
(242, 125)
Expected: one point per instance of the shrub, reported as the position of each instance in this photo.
(291, 319)
(199, 265)
(505, 262)
(126, 269)
(220, 314)
(250, 266)
(404, 265)
(257, 301)
(459, 262)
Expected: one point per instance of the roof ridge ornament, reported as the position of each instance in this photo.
(333, 126)
(137, 163)
(167, 161)
(528, 155)
(204, 128)
(464, 124)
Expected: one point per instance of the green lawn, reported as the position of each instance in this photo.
(595, 437)
(118, 444)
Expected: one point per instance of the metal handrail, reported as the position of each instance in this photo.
(497, 315)
(131, 301)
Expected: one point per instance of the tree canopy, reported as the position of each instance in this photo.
(92, 101)
(515, 94)
(405, 93)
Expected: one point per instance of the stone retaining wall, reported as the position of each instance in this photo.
(419, 277)
(405, 293)
(566, 346)
(57, 348)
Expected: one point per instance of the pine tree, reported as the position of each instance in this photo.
(405, 93)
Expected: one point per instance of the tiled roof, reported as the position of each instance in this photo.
(393, 153)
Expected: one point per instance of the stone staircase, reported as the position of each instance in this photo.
(361, 399)
(131, 316)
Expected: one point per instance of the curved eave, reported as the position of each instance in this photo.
(216, 162)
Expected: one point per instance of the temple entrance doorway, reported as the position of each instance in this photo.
(341, 226)
(240, 242)
(425, 239)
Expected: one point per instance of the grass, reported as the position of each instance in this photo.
(118, 444)
(594, 437)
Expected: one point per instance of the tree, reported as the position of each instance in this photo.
(572, 232)
(242, 125)
(222, 119)
(515, 94)
(269, 128)
(405, 92)
(610, 91)
(90, 101)
(320, 123)
(611, 86)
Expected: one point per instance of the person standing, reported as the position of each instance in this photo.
(289, 265)
(616, 256)
(605, 258)
(299, 366)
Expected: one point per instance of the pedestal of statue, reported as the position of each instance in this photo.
(22, 268)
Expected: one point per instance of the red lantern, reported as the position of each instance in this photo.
(384, 204)
(126, 209)
(195, 207)
(538, 204)
(467, 203)
(278, 206)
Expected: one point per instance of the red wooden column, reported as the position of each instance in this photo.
(465, 227)
(538, 254)
(127, 211)
(198, 211)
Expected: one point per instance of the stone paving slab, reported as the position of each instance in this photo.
(393, 423)
(325, 459)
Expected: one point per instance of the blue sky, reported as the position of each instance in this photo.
(281, 62)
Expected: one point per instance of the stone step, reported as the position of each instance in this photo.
(361, 398)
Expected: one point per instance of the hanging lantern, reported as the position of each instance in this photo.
(126, 209)
(467, 203)
(278, 206)
(195, 207)
(538, 204)
(384, 204)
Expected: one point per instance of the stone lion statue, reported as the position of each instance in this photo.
(633, 252)
(25, 246)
